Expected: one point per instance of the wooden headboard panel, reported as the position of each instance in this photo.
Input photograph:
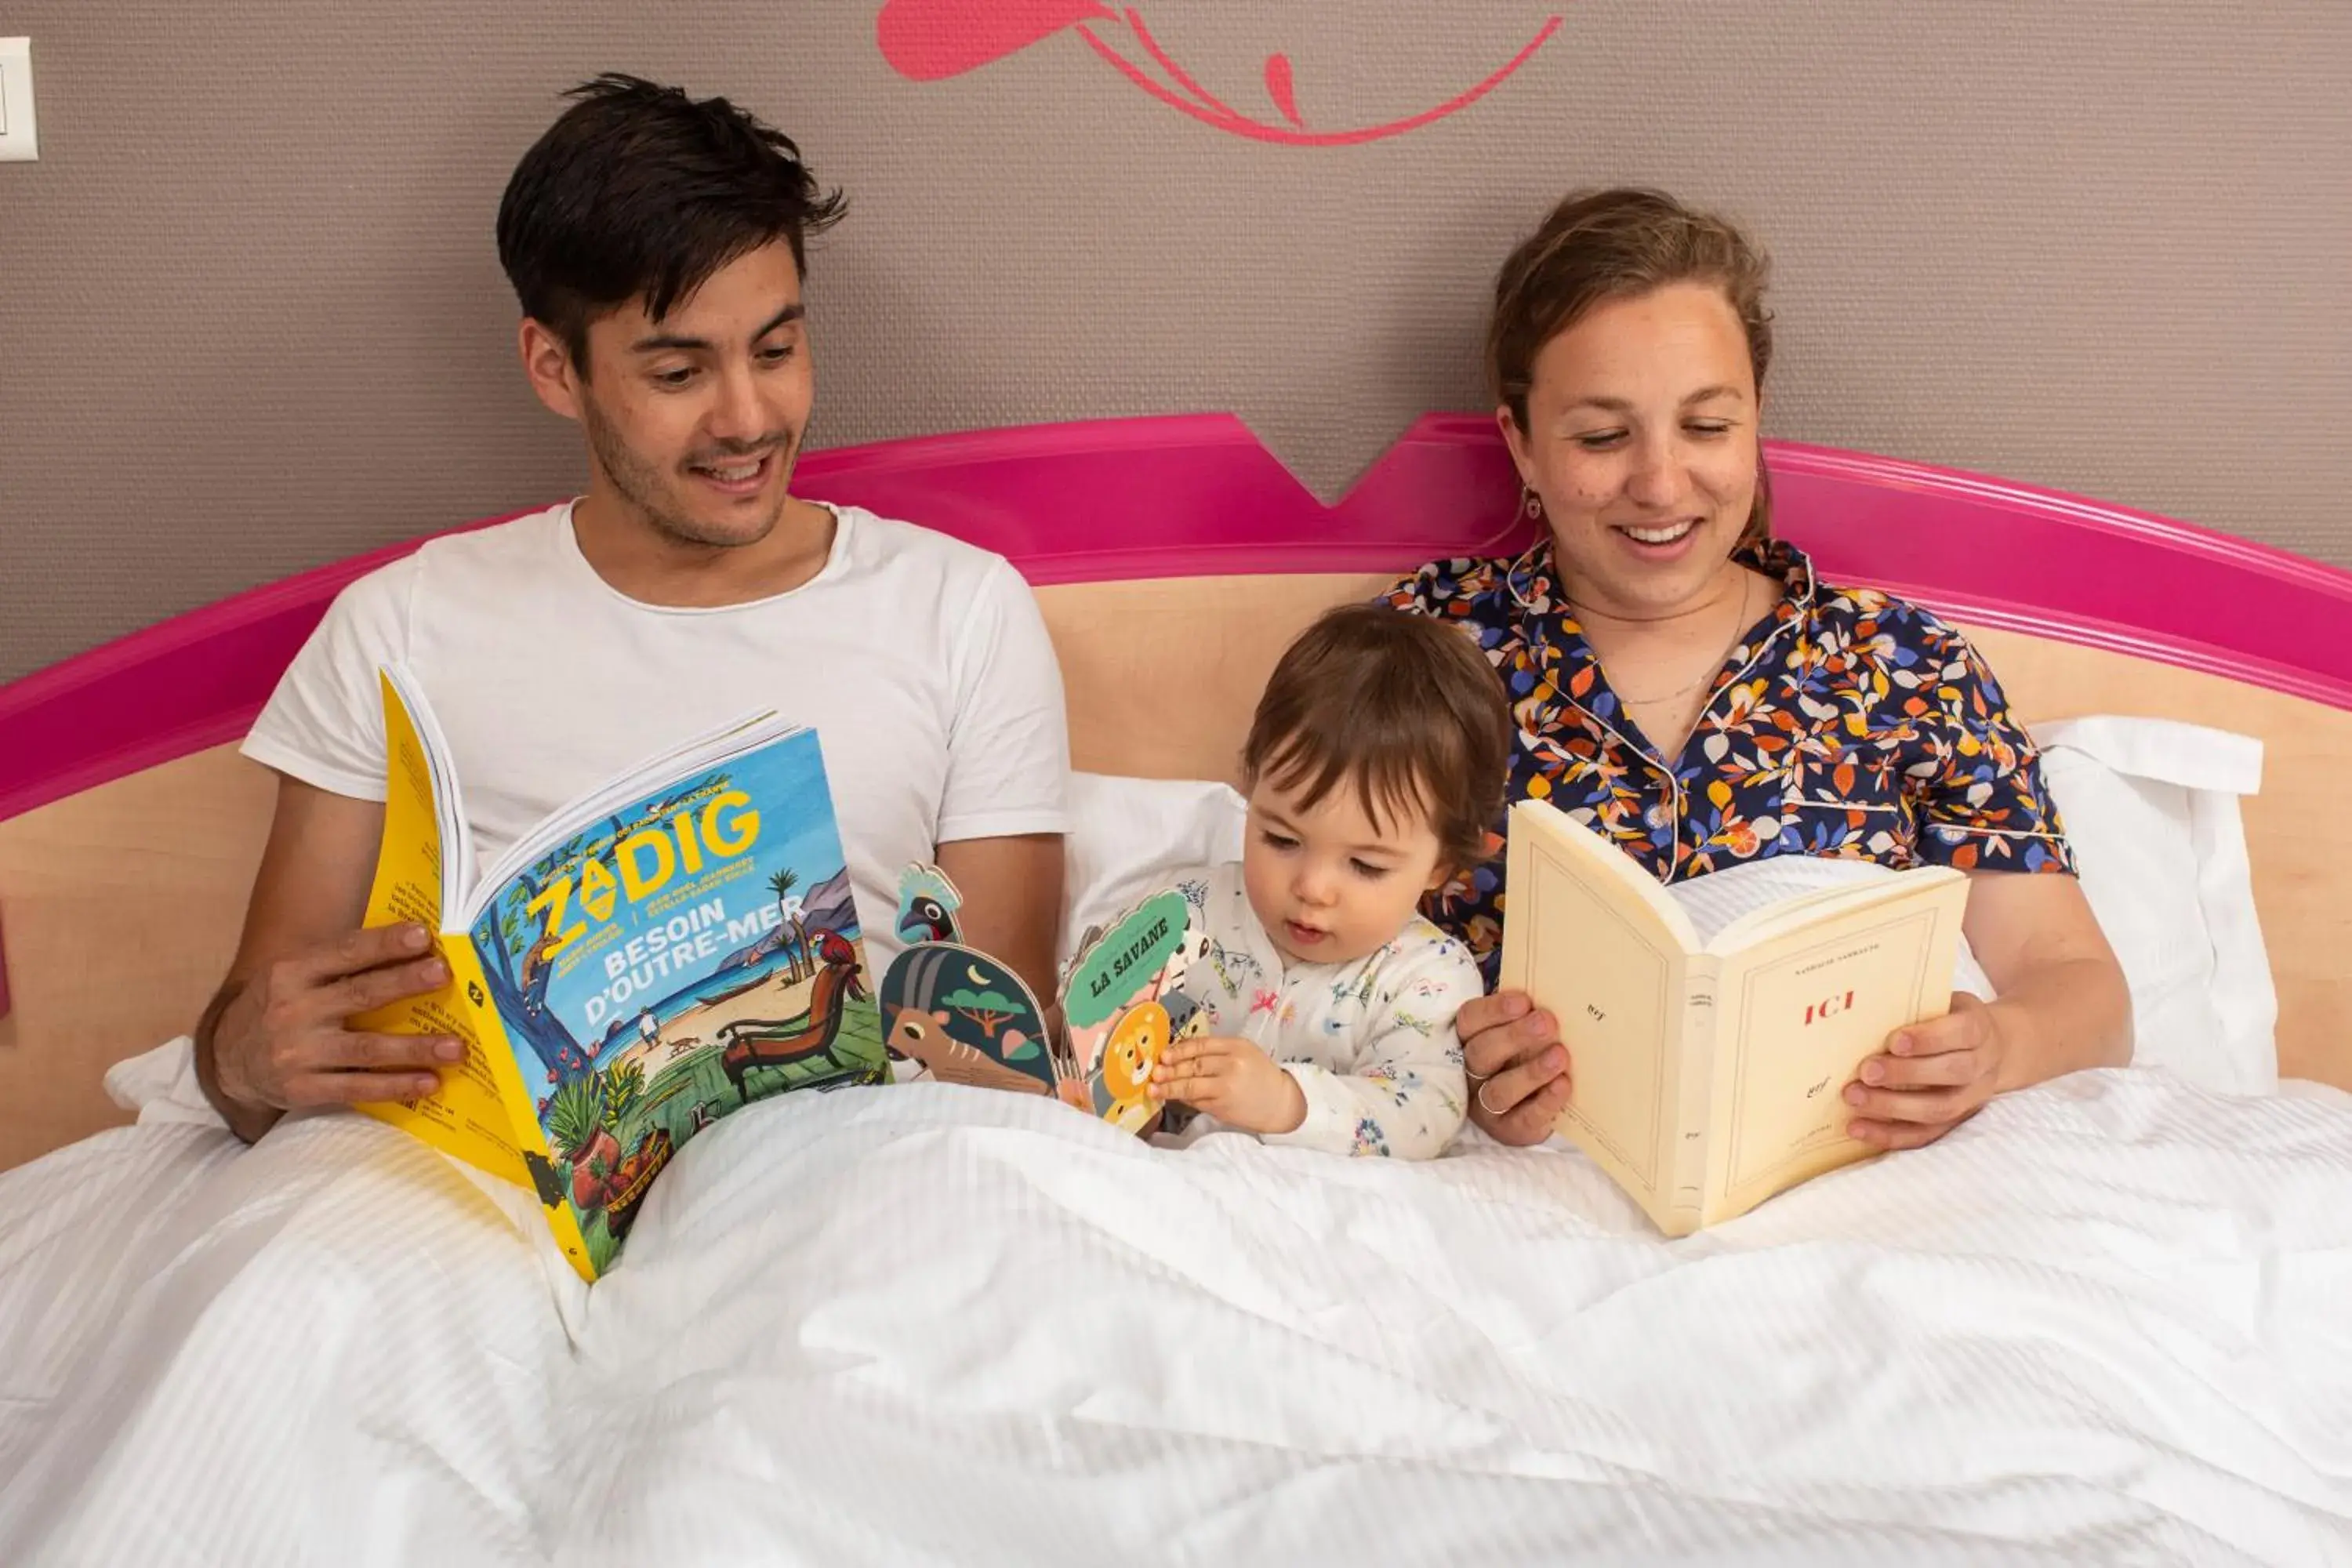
(129, 827)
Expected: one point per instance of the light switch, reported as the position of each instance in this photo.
(17, 143)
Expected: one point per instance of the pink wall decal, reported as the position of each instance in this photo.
(1282, 89)
(929, 40)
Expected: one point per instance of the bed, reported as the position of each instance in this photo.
(2108, 1320)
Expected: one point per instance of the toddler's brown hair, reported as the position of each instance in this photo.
(1402, 707)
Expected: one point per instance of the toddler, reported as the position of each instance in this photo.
(1375, 769)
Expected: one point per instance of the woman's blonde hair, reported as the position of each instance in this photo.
(1598, 246)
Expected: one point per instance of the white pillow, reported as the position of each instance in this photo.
(1128, 836)
(2152, 806)
(161, 1086)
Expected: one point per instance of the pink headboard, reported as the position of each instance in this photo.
(1198, 495)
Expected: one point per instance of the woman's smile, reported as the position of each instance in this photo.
(1661, 543)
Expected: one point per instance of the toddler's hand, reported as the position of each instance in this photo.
(1232, 1080)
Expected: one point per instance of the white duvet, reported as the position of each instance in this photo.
(2110, 1319)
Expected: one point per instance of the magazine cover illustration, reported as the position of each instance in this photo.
(697, 951)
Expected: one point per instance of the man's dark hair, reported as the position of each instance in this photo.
(638, 192)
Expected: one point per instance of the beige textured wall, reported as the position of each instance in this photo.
(251, 320)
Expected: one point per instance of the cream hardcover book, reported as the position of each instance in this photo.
(1710, 1068)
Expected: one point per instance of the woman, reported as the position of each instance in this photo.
(1682, 682)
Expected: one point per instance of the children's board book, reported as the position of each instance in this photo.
(1709, 1072)
(968, 1019)
(673, 945)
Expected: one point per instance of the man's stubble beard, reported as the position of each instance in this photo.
(645, 490)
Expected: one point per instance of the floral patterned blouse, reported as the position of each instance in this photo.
(1846, 723)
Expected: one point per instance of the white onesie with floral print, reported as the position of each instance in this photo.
(1371, 1042)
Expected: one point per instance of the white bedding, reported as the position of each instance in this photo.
(2110, 1319)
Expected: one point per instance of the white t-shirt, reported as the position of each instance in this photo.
(920, 661)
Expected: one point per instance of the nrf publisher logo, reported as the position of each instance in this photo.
(930, 40)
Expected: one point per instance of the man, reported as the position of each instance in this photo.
(657, 247)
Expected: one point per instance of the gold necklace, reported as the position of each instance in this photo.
(1739, 625)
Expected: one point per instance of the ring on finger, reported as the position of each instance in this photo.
(1477, 1079)
(1483, 1105)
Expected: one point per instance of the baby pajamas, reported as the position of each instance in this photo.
(1370, 1041)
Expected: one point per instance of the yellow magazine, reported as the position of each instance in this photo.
(1709, 1074)
(662, 951)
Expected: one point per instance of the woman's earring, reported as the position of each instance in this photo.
(1530, 503)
